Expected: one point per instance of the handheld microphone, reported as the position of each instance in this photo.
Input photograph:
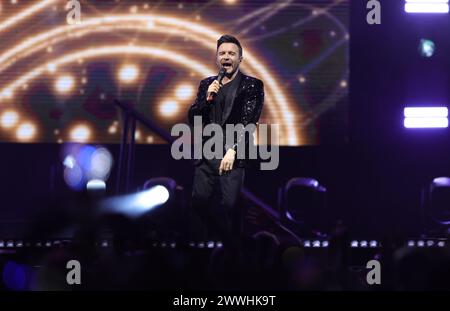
(220, 76)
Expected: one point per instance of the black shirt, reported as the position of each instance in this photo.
(221, 101)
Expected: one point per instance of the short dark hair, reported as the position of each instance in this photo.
(229, 39)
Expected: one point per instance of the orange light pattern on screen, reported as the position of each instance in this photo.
(277, 105)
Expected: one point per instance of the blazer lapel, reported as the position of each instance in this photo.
(230, 99)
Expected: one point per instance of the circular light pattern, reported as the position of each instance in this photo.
(184, 92)
(112, 129)
(101, 163)
(9, 119)
(73, 177)
(301, 79)
(128, 73)
(169, 108)
(80, 133)
(64, 84)
(25, 131)
(343, 84)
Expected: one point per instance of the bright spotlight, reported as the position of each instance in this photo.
(152, 197)
(95, 184)
(426, 48)
(69, 161)
(426, 6)
(135, 205)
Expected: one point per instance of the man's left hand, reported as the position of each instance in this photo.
(227, 162)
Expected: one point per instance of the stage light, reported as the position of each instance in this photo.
(373, 244)
(363, 244)
(411, 243)
(101, 162)
(2, 243)
(95, 185)
(128, 73)
(201, 245)
(173, 245)
(80, 133)
(210, 244)
(74, 177)
(316, 244)
(425, 112)
(25, 131)
(184, 92)
(64, 84)
(430, 243)
(135, 205)
(69, 161)
(112, 130)
(441, 243)
(426, 6)
(9, 119)
(426, 48)
(420, 243)
(154, 196)
(10, 244)
(425, 117)
(219, 244)
(354, 244)
(425, 122)
(325, 243)
(168, 108)
(307, 243)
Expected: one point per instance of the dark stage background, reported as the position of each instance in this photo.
(373, 178)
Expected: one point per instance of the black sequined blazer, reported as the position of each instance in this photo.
(247, 103)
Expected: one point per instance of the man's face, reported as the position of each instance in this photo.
(228, 57)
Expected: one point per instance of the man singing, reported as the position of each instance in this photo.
(235, 100)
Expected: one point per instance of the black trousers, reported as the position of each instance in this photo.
(214, 214)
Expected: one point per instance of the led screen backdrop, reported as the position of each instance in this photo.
(58, 80)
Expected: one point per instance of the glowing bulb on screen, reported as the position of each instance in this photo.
(26, 131)
(112, 129)
(7, 93)
(9, 119)
(80, 133)
(168, 108)
(64, 84)
(128, 73)
(51, 67)
(184, 91)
